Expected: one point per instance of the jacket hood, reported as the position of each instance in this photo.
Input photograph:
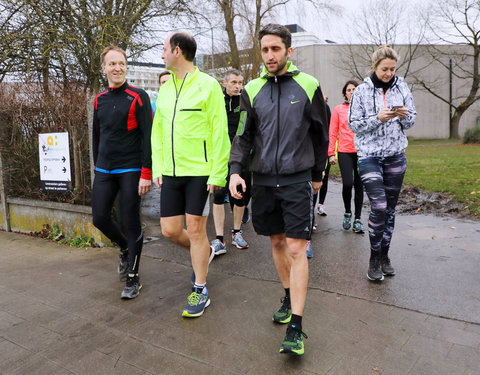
(292, 70)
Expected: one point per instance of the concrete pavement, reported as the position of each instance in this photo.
(61, 312)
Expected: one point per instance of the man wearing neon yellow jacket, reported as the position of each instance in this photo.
(190, 151)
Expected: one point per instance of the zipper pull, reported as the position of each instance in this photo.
(275, 79)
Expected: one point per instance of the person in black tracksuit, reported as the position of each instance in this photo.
(122, 123)
(233, 83)
(286, 125)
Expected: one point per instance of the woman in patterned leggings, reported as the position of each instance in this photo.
(380, 110)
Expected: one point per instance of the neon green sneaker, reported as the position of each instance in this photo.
(293, 342)
(284, 313)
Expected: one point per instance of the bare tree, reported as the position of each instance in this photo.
(455, 23)
(382, 22)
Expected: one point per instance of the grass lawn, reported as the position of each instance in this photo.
(446, 166)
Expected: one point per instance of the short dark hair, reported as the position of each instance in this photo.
(278, 30)
(344, 89)
(109, 48)
(231, 71)
(164, 73)
(186, 43)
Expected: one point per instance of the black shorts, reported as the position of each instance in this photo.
(287, 209)
(184, 195)
(219, 195)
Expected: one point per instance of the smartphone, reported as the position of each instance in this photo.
(396, 107)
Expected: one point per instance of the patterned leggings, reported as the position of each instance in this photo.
(382, 179)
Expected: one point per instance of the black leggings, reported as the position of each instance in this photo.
(347, 162)
(324, 188)
(105, 189)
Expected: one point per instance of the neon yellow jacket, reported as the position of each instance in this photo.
(190, 130)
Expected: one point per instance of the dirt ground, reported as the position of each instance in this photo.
(414, 200)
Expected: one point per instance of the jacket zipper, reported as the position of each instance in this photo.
(278, 130)
(177, 94)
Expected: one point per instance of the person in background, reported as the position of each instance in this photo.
(162, 78)
(381, 109)
(233, 83)
(347, 159)
(122, 123)
(190, 149)
(320, 196)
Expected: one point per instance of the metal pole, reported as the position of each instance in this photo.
(3, 196)
(451, 95)
(213, 65)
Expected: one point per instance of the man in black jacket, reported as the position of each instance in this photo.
(286, 125)
(233, 83)
(122, 124)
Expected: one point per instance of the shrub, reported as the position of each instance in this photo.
(472, 135)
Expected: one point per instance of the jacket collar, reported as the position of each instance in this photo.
(292, 70)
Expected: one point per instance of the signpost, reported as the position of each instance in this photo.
(55, 174)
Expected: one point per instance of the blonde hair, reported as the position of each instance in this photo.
(109, 48)
(382, 53)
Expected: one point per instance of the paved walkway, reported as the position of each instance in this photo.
(61, 312)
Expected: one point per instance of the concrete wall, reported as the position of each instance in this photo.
(328, 63)
(27, 215)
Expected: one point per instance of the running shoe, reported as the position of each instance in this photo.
(358, 226)
(387, 268)
(321, 210)
(218, 247)
(196, 304)
(284, 313)
(132, 287)
(347, 221)
(238, 240)
(246, 215)
(212, 255)
(293, 342)
(375, 269)
(122, 268)
(309, 249)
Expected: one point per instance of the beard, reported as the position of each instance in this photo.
(280, 66)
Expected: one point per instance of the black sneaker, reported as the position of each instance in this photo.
(293, 342)
(132, 287)
(375, 270)
(123, 265)
(387, 268)
(284, 314)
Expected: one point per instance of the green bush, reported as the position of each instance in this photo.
(472, 135)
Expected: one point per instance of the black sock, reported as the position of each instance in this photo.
(296, 322)
(220, 238)
(287, 292)
(235, 231)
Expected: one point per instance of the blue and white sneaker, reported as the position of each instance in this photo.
(218, 247)
(238, 240)
(196, 304)
(308, 247)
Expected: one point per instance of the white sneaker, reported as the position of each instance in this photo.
(321, 210)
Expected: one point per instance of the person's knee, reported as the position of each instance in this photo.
(100, 221)
(171, 232)
(219, 196)
(278, 242)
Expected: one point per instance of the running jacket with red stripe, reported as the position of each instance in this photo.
(122, 125)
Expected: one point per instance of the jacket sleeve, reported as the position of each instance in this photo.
(359, 121)
(333, 131)
(144, 117)
(220, 141)
(408, 121)
(319, 134)
(95, 134)
(243, 142)
(157, 144)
